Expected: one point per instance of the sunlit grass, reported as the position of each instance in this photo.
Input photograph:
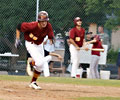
(64, 80)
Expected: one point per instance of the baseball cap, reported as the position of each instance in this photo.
(77, 19)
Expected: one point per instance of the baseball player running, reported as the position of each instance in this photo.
(76, 41)
(34, 34)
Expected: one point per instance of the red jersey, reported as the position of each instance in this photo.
(98, 45)
(34, 34)
(77, 35)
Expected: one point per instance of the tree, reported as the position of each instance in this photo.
(96, 10)
(13, 12)
(63, 12)
(114, 15)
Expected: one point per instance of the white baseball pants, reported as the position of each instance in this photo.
(94, 74)
(37, 53)
(75, 60)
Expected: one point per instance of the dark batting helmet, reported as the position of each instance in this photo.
(43, 16)
(77, 19)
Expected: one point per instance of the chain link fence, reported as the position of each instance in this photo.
(61, 14)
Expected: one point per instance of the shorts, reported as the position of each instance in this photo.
(46, 53)
(28, 55)
(118, 60)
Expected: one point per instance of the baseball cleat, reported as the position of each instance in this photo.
(34, 86)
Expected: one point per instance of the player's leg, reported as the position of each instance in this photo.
(46, 70)
(92, 67)
(96, 67)
(30, 65)
(74, 59)
(33, 83)
(37, 53)
(51, 63)
(119, 72)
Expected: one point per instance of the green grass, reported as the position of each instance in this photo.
(98, 98)
(63, 80)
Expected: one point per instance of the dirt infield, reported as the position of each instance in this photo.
(50, 91)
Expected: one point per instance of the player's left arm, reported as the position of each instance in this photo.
(50, 32)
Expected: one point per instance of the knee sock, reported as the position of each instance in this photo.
(35, 75)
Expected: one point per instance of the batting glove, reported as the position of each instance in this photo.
(17, 43)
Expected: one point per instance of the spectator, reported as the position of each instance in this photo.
(67, 52)
(104, 36)
(118, 64)
(88, 36)
(85, 66)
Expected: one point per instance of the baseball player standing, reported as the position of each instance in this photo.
(34, 34)
(76, 41)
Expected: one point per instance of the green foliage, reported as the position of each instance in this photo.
(96, 10)
(61, 13)
(114, 15)
(112, 56)
(13, 12)
(111, 24)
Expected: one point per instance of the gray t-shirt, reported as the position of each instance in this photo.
(105, 39)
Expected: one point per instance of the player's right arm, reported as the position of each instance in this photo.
(71, 40)
(17, 41)
(18, 29)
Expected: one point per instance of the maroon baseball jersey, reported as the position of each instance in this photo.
(77, 35)
(34, 34)
(98, 45)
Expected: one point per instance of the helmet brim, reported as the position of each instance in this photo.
(41, 20)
